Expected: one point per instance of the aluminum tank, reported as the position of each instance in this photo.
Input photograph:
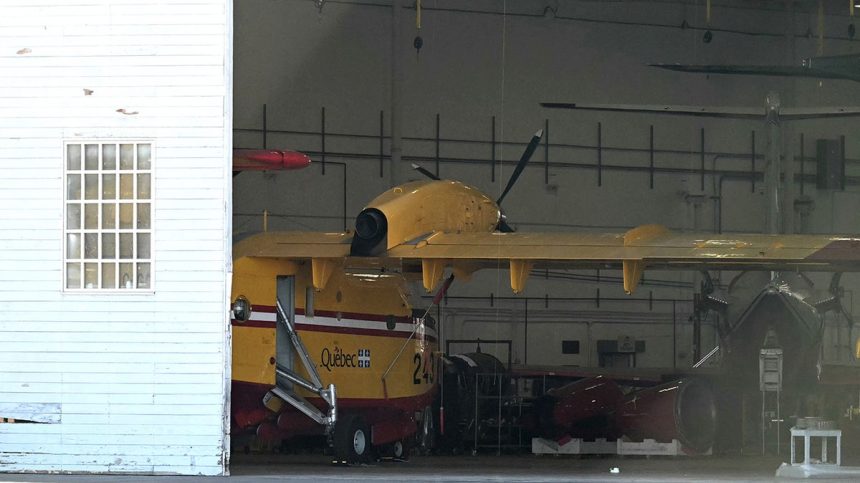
(682, 410)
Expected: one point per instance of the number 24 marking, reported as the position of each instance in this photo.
(429, 367)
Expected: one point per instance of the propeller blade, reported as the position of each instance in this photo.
(424, 172)
(530, 149)
(504, 227)
(444, 288)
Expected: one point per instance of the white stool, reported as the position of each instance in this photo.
(824, 434)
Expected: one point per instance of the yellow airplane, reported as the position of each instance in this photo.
(323, 321)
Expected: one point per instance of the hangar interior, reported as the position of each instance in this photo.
(367, 88)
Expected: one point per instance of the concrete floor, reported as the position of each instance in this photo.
(513, 468)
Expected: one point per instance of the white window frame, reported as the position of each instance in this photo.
(100, 202)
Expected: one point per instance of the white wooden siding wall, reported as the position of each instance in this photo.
(122, 383)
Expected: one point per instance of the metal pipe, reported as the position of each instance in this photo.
(437, 145)
(599, 157)
(707, 357)
(752, 160)
(773, 170)
(702, 159)
(381, 143)
(295, 379)
(593, 20)
(651, 157)
(265, 127)
(526, 329)
(842, 156)
(322, 139)
(546, 151)
(685, 152)
(493, 151)
(674, 336)
(802, 165)
(396, 104)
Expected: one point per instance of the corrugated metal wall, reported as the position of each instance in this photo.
(115, 382)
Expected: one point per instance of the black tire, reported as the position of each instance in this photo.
(399, 450)
(352, 440)
(426, 437)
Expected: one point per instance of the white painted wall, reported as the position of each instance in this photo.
(477, 63)
(124, 383)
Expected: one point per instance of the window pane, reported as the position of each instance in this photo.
(73, 187)
(73, 245)
(91, 275)
(143, 154)
(126, 156)
(109, 275)
(126, 245)
(109, 156)
(142, 275)
(73, 216)
(73, 275)
(109, 215)
(91, 216)
(143, 186)
(108, 186)
(91, 157)
(73, 156)
(126, 186)
(91, 245)
(108, 246)
(125, 215)
(143, 245)
(91, 186)
(143, 220)
(125, 276)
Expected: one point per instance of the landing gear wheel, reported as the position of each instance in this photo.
(352, 440)
(427, 432)
(400, 450)
(397, 449)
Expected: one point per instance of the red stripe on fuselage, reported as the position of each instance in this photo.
(249, 395)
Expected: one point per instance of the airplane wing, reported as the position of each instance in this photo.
(647, 246)
(845, 67)
(653, 244)
(785, 113)
(799, 113)
(699, 111)
(772, 70)
(294, 245)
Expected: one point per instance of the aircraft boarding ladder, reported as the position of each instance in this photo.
(288, 344)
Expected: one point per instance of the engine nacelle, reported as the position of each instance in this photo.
(409, 211)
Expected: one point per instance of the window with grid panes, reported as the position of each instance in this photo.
(108, 204)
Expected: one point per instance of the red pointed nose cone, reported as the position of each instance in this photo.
(265, 159)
